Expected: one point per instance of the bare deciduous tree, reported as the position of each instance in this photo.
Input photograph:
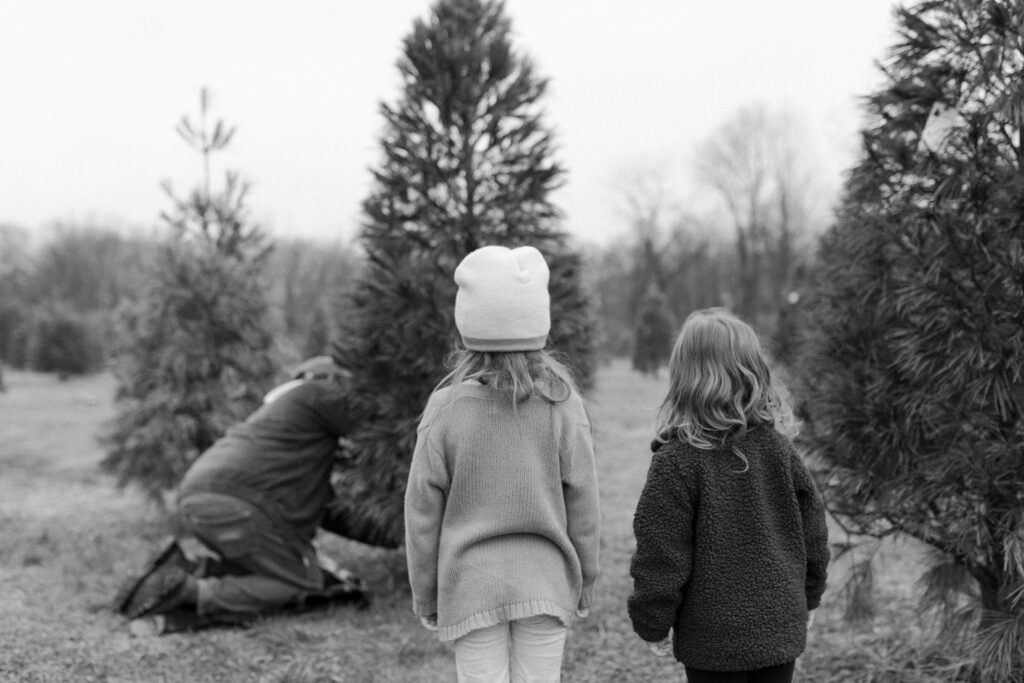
(756, 168)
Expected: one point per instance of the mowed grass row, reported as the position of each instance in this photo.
(69, 539)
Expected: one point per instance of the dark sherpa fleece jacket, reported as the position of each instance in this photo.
(731, 560)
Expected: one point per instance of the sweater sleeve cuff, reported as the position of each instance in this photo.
(651, 635)
(424, 609)
(813, 593)
(587, 597)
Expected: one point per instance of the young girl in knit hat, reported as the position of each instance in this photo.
(731, 543)
(501, 508)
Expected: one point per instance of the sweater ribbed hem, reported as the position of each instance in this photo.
(520, 610)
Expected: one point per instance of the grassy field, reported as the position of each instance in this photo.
(69, 538)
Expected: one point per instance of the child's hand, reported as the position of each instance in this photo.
(662, 647)
(429, 622)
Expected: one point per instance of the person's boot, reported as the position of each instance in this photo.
(167, 589)
(340, 586)
(168, 555)
(177, 621)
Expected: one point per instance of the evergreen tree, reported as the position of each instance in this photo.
(914, 373)
(196, 353)
(655, 333)
(466, 163)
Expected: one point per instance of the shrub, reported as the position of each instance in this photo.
(58, 340)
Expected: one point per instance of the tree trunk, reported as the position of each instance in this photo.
(994, 597)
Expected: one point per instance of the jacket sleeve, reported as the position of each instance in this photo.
(583, 512)
(812, 511)
(424, 510)
(661, 565)
(346, 520)
(331, 403)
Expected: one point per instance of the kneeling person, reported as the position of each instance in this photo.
(256, 498)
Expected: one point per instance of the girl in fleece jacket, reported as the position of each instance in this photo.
(731, 542)
(501, 508)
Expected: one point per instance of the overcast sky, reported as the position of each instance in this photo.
(90, 92)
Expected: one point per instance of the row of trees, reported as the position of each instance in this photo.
(54, 300)
(906, 346)
(674, 262)
(59, 297)
(746, 243)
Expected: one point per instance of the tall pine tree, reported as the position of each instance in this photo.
(196, 352)
(914, 371)
(655, 332)
(466, 163)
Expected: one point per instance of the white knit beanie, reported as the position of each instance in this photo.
(502, 303)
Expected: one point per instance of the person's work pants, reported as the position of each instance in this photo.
(521, 651)
(268, 566)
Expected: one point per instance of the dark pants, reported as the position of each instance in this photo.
(268, 567)
(783, 673)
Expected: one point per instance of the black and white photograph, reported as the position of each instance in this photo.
(512, 341)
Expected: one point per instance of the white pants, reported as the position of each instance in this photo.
(521, 651)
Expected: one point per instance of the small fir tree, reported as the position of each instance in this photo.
(466, 163)
(655, 333)
(195, 353)
(914, 366)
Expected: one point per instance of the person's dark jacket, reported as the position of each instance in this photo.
(731, 560)
(280, 458)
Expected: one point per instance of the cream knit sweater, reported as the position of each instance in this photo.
(501, 510)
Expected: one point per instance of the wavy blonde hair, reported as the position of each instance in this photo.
(720, 384)
(521, 373)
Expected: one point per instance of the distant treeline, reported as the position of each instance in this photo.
(59, 297)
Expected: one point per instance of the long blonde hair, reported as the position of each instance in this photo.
(520, 373)
(720, 384)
